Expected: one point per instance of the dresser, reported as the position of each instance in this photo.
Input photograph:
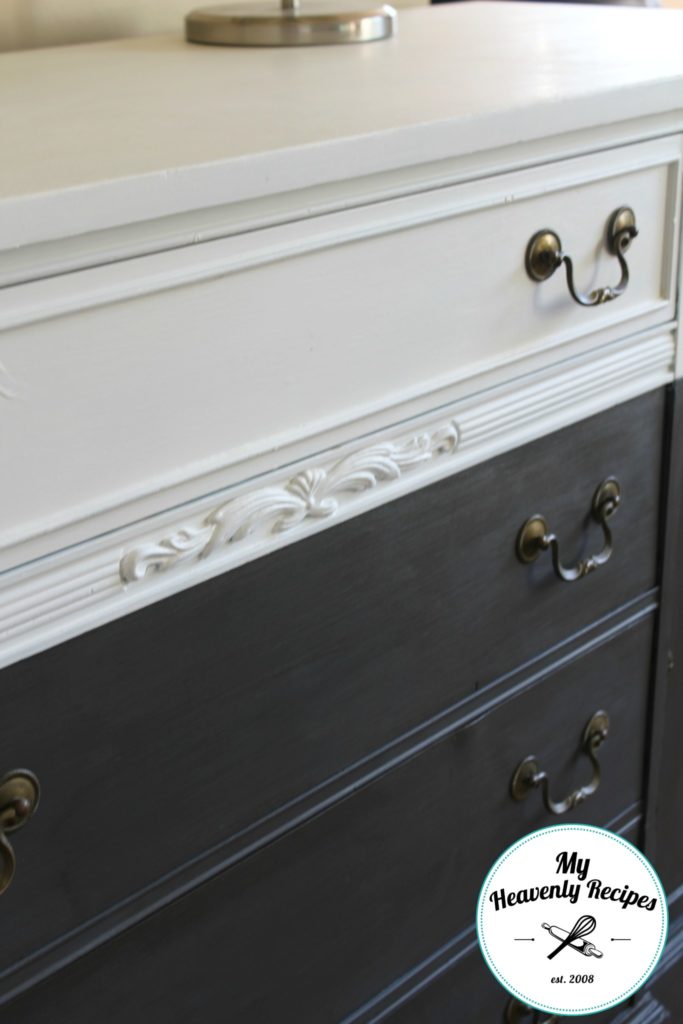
(341, 538)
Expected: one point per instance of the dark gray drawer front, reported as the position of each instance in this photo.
(466, 992)
(469, 993)
(336, 910)
(455, 984)
(167, 732)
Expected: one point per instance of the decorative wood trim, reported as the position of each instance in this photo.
(154, 462)
(62, 595)
(314, 493)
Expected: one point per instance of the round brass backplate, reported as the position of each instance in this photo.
(607, 497)
(522, 781)
(598, 726)
(267, 25)
(529, 539)
(19, 797)
(543, 255)
(622, 220)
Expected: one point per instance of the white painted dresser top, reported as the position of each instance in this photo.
(104, 134)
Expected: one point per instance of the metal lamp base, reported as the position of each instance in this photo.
(317, 25)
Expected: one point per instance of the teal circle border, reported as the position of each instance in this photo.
(546, 1007)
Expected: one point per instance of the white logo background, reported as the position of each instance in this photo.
(629, 936)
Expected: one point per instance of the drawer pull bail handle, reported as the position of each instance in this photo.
(544, 255)
(528, 774)
(518, 1013)
(19, 796)
(535, 537)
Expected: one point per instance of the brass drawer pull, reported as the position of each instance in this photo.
(528, 774)
(518, 1013)
(534, 536)
(19, 796)
(544, 255)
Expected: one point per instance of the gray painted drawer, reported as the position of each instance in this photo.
(166, 733)
(335, 910)
(468, 992)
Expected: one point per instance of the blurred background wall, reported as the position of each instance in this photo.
(25, 24)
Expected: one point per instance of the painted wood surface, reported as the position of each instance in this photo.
(296, 338)
(330, 914)
(172, 129)
(664, 833)
(297, 768)
(52, 599)
(239, 698)
(463, 984)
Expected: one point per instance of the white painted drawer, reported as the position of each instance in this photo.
(144, 383)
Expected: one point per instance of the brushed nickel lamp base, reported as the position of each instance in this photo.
(254, 24)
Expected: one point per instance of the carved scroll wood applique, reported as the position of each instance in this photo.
(314, 493)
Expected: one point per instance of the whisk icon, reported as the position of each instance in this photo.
(576, 938)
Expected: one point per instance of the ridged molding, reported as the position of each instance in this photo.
(317, 492)
(48, 600)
